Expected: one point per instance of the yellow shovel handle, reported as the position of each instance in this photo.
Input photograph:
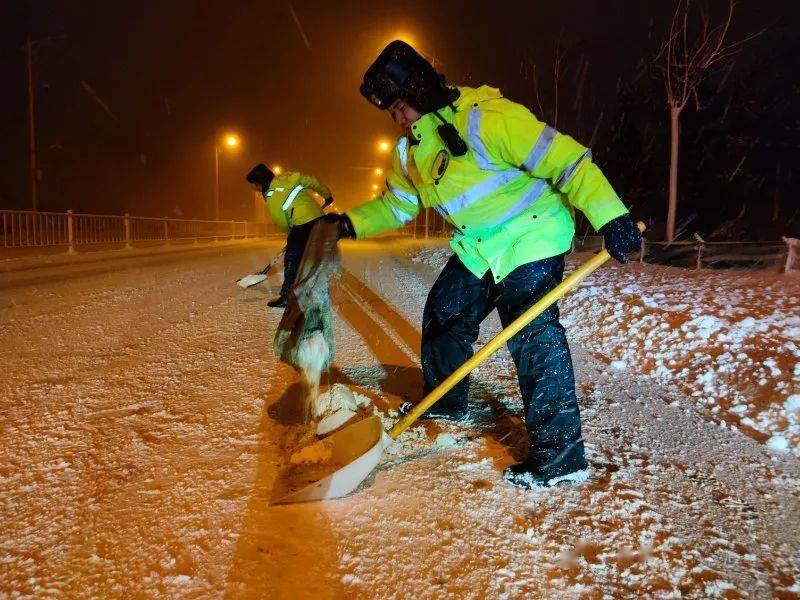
(501, 338)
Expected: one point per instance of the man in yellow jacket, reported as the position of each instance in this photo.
(294, 211)
(509, 185)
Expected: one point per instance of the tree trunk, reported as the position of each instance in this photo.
(675, 131)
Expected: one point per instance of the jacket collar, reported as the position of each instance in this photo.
(468, 97)
(427, 124)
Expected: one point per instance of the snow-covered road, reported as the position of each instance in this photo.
(143, 421)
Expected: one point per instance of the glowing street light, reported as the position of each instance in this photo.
(231, 141)
(384, 146)
(277, 169)
(375, 187)
(378, 171)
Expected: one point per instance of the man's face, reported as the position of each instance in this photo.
(403, 115)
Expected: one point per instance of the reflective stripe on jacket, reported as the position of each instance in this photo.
(290, 204)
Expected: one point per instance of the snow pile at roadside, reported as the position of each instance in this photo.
(729, 339)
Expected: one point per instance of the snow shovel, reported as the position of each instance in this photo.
(251, 280)
(343, 460)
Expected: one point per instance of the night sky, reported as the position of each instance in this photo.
(132, 96)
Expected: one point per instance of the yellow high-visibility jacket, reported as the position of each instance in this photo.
(510, 198)
(288, 202)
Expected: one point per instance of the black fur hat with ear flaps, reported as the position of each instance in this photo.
(401, 72)
(260, 175)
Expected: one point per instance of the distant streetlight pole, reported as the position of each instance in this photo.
(30, 46)
(216, 182)
(231, 140)
(31, 125)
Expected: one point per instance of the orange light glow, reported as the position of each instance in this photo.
(277, 169)
(404, 36)
(384, 145)
(378, 171)
(375, 187)
(232, 140)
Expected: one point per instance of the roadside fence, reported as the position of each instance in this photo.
(28, 229)
(781, 255)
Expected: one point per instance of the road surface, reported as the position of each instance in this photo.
(143, 420)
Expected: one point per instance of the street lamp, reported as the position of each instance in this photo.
(230, 141)
(384, 146)
(378, 171)
(277, 169)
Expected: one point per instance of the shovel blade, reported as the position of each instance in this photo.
(250, 280)
(355, 452)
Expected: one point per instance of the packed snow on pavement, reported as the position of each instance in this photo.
(145, 420)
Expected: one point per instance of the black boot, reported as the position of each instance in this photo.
(527, 475)
(279, 302)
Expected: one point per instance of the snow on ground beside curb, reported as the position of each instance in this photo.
(730, 339)
(727, 338)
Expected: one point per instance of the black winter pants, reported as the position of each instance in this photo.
(456, 306)
(295, 246)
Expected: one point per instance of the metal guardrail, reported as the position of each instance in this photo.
(699, 253)
(26, 229)
(427, 224)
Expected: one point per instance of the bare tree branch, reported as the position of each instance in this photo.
(684, 60)
(536, 91)
(556, 77)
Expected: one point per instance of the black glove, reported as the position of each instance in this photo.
(260, 175)
(621, 237)
(346, 229)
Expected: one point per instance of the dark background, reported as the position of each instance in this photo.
(133, 97)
